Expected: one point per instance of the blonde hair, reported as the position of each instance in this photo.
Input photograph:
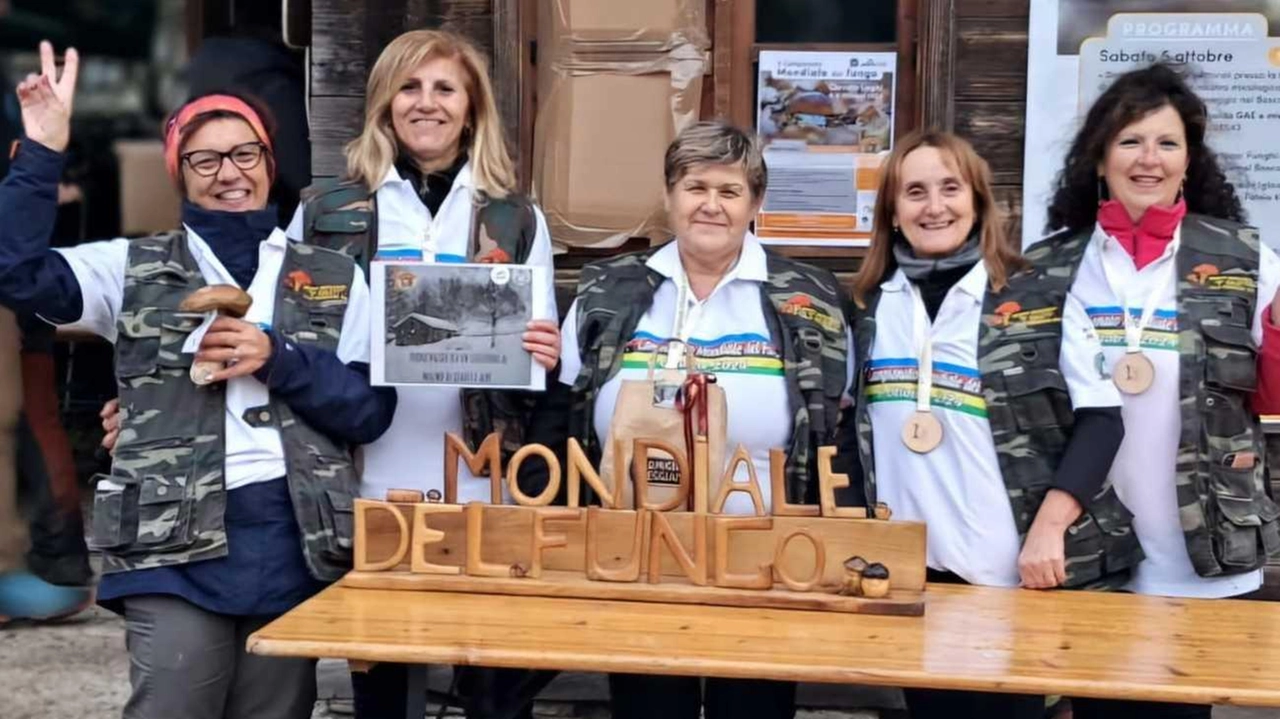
(998, 253)
(370, 155)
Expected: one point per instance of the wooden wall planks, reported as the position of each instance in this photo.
(991, 88)
(346, 38)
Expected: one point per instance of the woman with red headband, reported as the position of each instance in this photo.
(241, 395)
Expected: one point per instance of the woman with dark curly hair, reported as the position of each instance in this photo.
(1183, 295)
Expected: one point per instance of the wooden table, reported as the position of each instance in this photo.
(1022, 641)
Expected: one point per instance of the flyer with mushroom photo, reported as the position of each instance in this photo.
(455, 325)
(826, 120)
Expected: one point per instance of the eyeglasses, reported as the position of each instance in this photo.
(207, 163)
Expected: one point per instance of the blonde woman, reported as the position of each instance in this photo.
(429, 178)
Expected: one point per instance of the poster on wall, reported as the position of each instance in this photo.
(826, 122)
(455, 325)
(1228, 49)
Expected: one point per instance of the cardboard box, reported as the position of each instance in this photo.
(148, 201)
(617, 80)
(626, 26)
(599, 146)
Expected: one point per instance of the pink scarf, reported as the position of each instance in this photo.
(1146, 240)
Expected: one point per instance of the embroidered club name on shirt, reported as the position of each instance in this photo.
(955, 388)
(1160, 334)
(1207, 275)
(738, 354)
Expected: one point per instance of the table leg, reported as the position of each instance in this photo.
(415, 704)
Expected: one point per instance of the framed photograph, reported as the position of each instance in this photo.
(455, 325)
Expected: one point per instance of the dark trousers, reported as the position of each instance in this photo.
(644, 696)
(1117, 709)
(41, 455)
(188, 663)
(57, 552)
(948, 704)
(381, 692)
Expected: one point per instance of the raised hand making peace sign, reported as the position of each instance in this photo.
(46, 99)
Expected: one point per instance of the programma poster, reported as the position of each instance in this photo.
(1229, 51)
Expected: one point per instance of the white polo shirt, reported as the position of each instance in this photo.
(958, 489)
(1144, 471)
(253, 454)
(410, 454)
(728, 336)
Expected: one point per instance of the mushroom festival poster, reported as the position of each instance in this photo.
(826, 121)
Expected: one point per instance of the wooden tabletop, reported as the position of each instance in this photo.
(1074, 643)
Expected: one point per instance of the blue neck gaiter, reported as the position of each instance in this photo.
(233, 236)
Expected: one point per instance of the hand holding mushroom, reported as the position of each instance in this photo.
(231, 347)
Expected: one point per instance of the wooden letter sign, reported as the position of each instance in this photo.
(681, 549)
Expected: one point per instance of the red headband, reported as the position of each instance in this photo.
(200, 106)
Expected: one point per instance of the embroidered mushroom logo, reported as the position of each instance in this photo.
(802, 306)
(1004, 312)
(298, 279)
(799, 301)
(1200, 274)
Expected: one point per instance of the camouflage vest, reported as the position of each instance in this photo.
(1030, 414)
(1228, 519)
(170, 458)
(343, 215)
(802, 308)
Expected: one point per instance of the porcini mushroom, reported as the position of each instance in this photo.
(875, 581)
(227, 300)
(853, 568)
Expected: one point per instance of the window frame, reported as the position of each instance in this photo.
(729, 89)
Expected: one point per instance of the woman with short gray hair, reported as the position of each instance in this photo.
(712, 301)
(717, 143)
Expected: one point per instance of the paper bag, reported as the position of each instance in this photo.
(639, 414)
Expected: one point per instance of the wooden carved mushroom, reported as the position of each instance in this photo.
(404, 496)
(226, 300)
(853, 568)
(875, 581)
